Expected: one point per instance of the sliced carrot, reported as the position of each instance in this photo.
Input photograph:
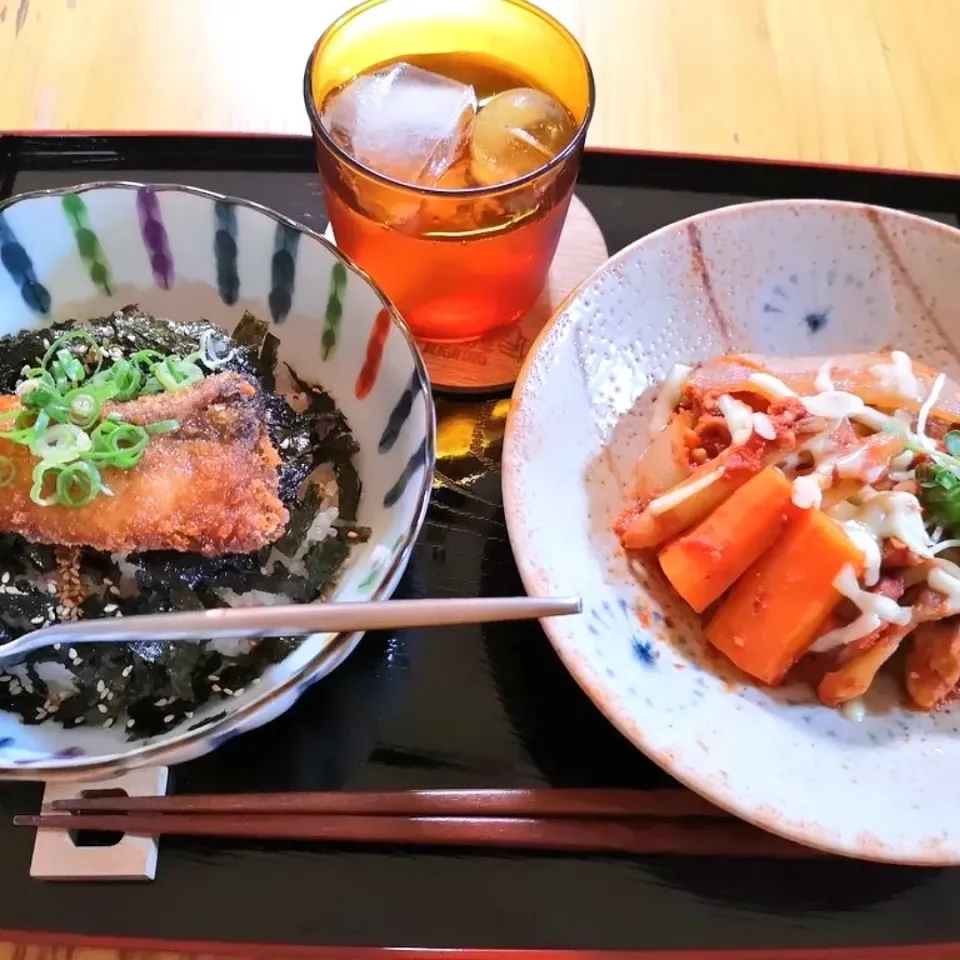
(691, 501)
(773, 612)
(704, 563)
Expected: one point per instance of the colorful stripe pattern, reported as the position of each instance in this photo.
(88, 246)
(334, 312)
(17, 263)
(402, 432)
(225, 251)
(399, 415)
(283, 271)
(371, 363)
(155, 237)
(417, 461)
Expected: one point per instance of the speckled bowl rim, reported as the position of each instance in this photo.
(342, 644)
(536, 583)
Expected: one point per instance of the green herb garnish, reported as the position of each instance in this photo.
(939, 481)
(60, 417)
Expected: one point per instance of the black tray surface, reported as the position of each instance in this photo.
(466, 707)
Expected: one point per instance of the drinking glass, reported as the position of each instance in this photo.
(457, 261)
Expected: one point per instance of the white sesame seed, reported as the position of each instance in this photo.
(72, 654)
(110, 607)
(76, 661)
(108, 722)
(162, 702)
(101, 686)
(131, 724)
(102, 707)
(215, 688)
(5, 578)
(37, 620)
(227, 692)
(237, 693)
(127, 671)
(107, 582)
(15, 687)
(109, 695)
(189, 714)
(256, 680)
(51, 588)
(5, 678)
(169, 718)
(211, 676)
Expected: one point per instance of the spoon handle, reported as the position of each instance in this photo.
(294, 620)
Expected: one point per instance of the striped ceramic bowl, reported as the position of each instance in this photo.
(185, 253)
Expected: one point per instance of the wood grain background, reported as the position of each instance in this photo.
(861, 82)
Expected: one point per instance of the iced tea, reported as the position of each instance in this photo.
(447, 167)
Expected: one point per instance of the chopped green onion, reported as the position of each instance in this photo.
(40, 472)
(118, 444)
(162, 426)
(176, 374)
(72, 368)
(126, 379)
(8, 471)
(27, 426)
(59, 344)
(37, 394)
(61, 416)
(60, 443)
(83, 407)
(207, 354)
(78, 484)
(147, 358)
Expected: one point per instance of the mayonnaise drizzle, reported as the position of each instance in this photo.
(676, 496)
(874, 612)
(890, 513)
(823, 381)
(942, 581)
(863, 626)
(898, 375)
(928, 405)
(739, 418)
(770, 386)
(764, 427)
(833, 405)
(807, 493)
(670, 392)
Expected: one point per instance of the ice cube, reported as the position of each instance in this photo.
(404, 122)
(516, 132)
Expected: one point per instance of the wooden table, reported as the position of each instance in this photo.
(862, 82)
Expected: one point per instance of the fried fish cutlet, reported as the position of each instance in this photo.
(209, 487)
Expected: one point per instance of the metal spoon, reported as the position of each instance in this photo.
(291, 620)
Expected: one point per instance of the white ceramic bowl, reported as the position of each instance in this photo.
(185, 253)
(804, 277)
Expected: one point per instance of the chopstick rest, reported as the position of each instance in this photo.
(57, 857)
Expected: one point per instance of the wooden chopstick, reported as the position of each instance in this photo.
(667, 803)
(691, 836)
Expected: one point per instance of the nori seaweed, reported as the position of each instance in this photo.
(151, 687)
